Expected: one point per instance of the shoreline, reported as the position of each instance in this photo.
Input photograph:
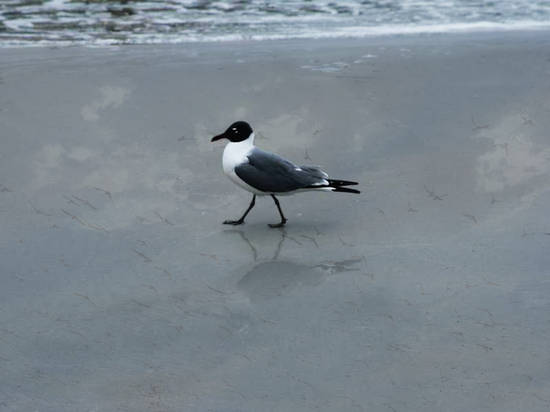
(483, 34)
(347, 33)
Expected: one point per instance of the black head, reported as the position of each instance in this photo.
(237, 132)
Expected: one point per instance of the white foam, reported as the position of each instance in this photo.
(18, 24)
(387, 30)
(56, 4)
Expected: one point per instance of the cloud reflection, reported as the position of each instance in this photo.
(513, 159)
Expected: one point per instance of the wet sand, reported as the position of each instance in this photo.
(122, 290)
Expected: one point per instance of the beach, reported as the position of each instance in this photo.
(122, 289)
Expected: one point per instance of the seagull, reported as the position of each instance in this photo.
(263, 173)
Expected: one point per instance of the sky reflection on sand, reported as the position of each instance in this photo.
(122, 289)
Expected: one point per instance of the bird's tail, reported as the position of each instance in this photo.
(336, 183)
(337, 186)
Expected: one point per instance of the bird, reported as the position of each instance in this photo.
(267, 174)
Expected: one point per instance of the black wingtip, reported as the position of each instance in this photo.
(345, 190)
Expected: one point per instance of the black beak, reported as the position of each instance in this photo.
(218, 137)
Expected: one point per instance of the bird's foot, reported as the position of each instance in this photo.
(275, 225)
(234, 222)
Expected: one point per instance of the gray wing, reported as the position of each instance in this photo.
(273, 174)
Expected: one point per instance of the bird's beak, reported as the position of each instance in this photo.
(218, 137)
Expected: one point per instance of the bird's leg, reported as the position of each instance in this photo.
(283, 218)
(241, 220)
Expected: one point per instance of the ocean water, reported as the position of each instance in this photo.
(106, 22)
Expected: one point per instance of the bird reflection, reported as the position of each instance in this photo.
(272, 278)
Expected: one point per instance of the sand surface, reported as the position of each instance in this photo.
(121, 289)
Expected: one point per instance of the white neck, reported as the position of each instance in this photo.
(236, 152)
(250, 139)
